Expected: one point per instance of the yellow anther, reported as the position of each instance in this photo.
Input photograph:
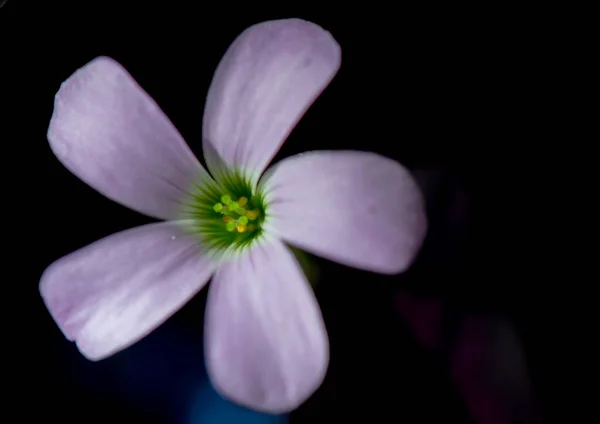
(252, 214)
(241, 228)
(242, 201)
(227, 219)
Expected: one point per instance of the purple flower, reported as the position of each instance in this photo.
(266, 344)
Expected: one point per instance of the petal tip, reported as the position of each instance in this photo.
(91, 354)
(266, 405)
(101, 65)
(303, 32)
(104, 63)
(53, 302)
(312, 29)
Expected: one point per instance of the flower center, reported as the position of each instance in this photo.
(235, 216)
(227, 214)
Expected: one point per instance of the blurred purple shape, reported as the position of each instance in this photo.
(485, 358)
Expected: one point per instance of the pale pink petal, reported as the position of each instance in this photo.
(111, 293)
(266, 345)
(360, 209)
(267, 79)
(110, 133)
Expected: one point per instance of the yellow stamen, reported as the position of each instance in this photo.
(227, 219)
(252, 214)
(242, 201)
(241, 228)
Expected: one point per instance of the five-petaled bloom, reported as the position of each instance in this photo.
(265, 341)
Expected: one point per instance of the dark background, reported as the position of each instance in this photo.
(462, 97)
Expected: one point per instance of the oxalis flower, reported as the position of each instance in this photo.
(265, 341)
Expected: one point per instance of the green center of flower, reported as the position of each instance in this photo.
(236, 216)
(227, 214)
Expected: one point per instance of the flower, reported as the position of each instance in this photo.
(266, 345)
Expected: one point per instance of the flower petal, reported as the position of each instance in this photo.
(110, 133)
(360, 209)
(267, 79)
(266, 345)
(111, 293)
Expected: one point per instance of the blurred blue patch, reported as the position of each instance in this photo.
(210, 408)
(161, 376)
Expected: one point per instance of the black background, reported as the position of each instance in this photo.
(459, 96)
